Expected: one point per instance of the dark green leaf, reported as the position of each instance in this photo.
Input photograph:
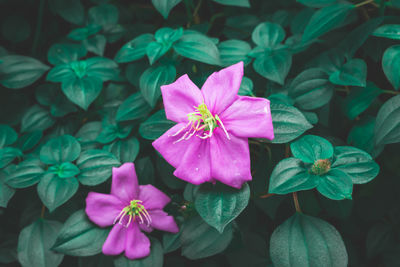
(152, 79)
(246, 87)
(7, 135)
(336, 185)
(290, 175)
(6, 192)
(268, 35)
(317, 3)
(326, 19)
(233, 51)
(64, 170)
(274, 65)
(65, 53)
(311, 89)
(124, 150)
(219, 205)
(28, 141)
(362, 136)
(89, 132)
(198, 47)
(20, 71)
(356, 163)
(27, 173)
(311, 148)
(134, 107)
(155, 126)
(391, 31)
(353, 73)
(171, 242)
(307, 241)
(36, 119)
(199, 240)
(80, 237)
(240, 3)
(387, 126)
(289, 123)
(55, 191)
(134, 49)
(8, 154)
(103, 15)
(34, 244)
(95, 44)
(380, 237)
(391, 65)
(70, 10)
(60, 149)
(165, 6)
(95, 166)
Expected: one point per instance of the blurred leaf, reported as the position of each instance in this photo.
(155, 126)
(36, 119)
(391, 31)
(60, 149)
(233, 51)
(387, 126)
(311, 148)
(274, 65)
(354, 73)
(240, 3)
(7, 135)
(165, 6)
(391, 65)
(134, 107)
(268, 35)
(124, 150)
(135, 49)
(155, 259)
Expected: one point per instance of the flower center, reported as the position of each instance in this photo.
(321, 167)
(130, 212)
(201, 120)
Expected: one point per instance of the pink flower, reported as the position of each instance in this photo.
(210, 142)
(131, 209)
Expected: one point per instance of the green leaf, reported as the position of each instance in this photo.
(36, 119)
(103, 15)
(152, 79)
(8, 154)
(273, 65)
(246, 87)
(155, 126)
(199, 240)
(391, 31)
(317, 3)
(27, 173)
(307, 241)
(95, 166)
(134, 49)
(20, 71)
(134, 107)
(60, 149)
(380, 238)
(311, 148)
(360, 99)
(102, 68)
(326, 19)
(55, 191)
(268, 35)
(124, 150)
(80, 237)
(289, 123)
(356, 163)
(7, 135)
(353, 73)
(219, 205)
(233, 51)
(198, 47)
(95, 44)
(82, 92)
(155, 259)
(48, 94)
(171, 242)
(65, 53)
(362, 136)
(110, 132)
(290, 175)
(81, 34)
(391, 65)
(28, 141)
(89, 132)
(240, 3)
(335, 185)
(34, 244)
(70, 10)
(165, 6)
(64, 170)
(387, 126)
(6, 192)
(311, 89)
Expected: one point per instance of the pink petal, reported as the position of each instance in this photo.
(115, 242)
(180, 98)
(162, 221)
(230, 159)
(168, 149)
(102, 208)
(221, 88)
(195, 162)
(249, 117)
(124, 182)
(137, 244)
(143, 227)
(152, 197)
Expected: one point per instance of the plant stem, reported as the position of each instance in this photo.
(296, 202)
(38, 27)
(364, 3)
(43, 211)
(391, 92)
(267, 195)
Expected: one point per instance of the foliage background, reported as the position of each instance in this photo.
(71, 74)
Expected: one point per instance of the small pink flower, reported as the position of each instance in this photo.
(210, 142)
(131, 209)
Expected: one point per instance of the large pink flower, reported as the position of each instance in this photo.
(131, 209)
(209, 142)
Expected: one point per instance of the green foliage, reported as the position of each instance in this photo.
(80, 91)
